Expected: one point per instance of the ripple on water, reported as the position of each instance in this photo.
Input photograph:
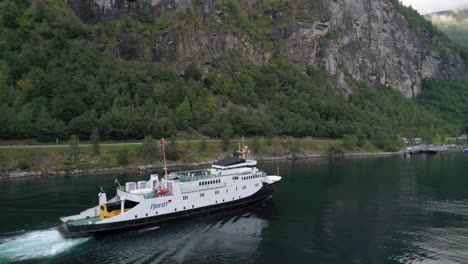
(232, 239)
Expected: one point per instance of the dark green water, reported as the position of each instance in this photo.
(373, 210)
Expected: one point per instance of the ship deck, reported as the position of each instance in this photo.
(197, 175)
(85, 221)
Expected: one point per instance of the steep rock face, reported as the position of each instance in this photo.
(362, 39)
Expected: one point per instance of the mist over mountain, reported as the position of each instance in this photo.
(453, 23)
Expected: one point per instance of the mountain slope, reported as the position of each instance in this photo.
(453, 23)
(60, 76)
(379, 41)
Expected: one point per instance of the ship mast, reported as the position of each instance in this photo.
(242, 149)
(163, 143)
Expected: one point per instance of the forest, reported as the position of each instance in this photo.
(54, 83)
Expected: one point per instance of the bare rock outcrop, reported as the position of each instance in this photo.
(366, 40)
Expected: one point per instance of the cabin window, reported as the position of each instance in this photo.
(184, 207)
(216, 192)
(136, 216)
(244, 187)
(256, 185)
(175, 209)
(185, 197)
(202, 195)
(146, 214)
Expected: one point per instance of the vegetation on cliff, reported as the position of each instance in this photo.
(55, 83)
(452, 23)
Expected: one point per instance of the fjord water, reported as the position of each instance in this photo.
(369, 210)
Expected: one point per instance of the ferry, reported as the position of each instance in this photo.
(233, 183)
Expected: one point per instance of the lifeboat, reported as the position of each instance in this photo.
(162, 191)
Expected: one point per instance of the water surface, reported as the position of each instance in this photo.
(370, 210)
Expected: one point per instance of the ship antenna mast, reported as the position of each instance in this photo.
(242, 149)
(163, 143)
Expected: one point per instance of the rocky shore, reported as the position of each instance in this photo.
(13, 175)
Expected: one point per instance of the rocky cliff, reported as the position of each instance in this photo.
(360, 39)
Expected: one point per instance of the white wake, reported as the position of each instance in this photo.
(35, 244)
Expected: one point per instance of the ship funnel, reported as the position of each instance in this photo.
(102, 197)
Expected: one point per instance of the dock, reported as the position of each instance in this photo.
(429, 149)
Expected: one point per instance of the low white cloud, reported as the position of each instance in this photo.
(431, 6)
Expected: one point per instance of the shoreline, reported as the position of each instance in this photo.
(151, 168)
(19, 175)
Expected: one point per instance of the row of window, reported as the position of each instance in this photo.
(208, 182)
(252, 177)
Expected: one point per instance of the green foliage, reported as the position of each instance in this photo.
(350, 142)
(171, 150)
(426, 29)
(452, 23)
(294, 146)
(226, 143)
(2, 166)
(361, 138)
(122, 157)
(54, 84)
(94, 139)
(149, 149)
(184, 115)
(203, 146)
(255, 145)
(23, 165)
(73, 148)
(335, 150)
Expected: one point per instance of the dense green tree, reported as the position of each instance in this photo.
(184, 115)
(350, 142)
(73, 148)
(171, 150)
(95, 141)
(149, 149)
(54, 83)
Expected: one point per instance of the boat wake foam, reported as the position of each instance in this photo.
(35, 244)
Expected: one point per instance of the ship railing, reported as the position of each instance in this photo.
(129, 196)
(91, 212)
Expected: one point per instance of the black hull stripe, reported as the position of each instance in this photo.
(68, 230)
